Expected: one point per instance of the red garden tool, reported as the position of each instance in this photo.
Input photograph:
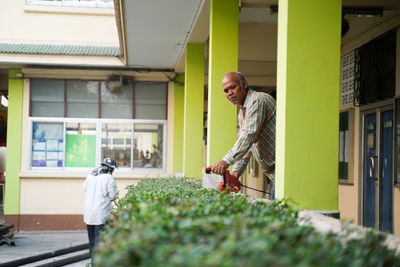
(229, 183)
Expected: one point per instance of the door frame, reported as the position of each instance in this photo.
(366, 110)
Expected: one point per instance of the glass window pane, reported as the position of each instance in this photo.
(150, 101)
(343, 145)
(47, 98)
(116, 143)
(80, 145)
(47, 145)
(117, 103)
(74, 3)
(82, 99)
(148, 146)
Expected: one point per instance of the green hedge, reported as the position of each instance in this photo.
(174, 222)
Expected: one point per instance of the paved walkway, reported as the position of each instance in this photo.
(35, 243)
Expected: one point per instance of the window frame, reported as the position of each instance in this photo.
(99, 108)
(99, 122)
(62, 3)
(343, 146)
(350, 147)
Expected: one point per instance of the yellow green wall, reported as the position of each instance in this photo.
(308, 102)
(14, 137)
(178, 124)
(223, 58)
(193, 110)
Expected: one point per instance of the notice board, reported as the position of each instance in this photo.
(80, 150)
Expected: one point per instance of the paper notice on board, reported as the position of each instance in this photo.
(38, 155)
(52, 145)
(51, 163)
(52, 156)
(38, 145)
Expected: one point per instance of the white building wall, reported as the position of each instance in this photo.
(59, 195)
(49, 24)
(45, 192)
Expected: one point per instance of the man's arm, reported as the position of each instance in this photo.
(241, 164)
(112, 189)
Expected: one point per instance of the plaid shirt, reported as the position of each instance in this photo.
(256, 135)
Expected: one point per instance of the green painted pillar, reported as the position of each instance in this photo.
(179, 92)
(308, 102)
(193, 111)
(14, 139)
(223, 58)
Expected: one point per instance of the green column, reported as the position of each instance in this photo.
(179, 90)
(223, 58)
(14, 139)
(308, 102)
(193, 110)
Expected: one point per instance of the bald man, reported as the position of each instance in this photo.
(256, 136)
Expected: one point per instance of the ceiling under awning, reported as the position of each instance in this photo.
(153, 33)
(156, 30)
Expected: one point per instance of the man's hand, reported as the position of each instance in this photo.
(220, 167)
(236, 175)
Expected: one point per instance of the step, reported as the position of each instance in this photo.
(50, 255)
(61, 260)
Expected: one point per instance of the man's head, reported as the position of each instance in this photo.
(110, 163)
(235, 87)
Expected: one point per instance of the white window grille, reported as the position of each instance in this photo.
(347, 79)
(74, 124)
(138, 146)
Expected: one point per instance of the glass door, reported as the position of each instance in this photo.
(378, 168)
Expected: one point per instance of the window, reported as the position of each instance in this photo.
(150, 101)
(74, 3)
(116, 143)
(92, 99)
(47, 98)
(118, 104)
(148, 145)
(134, 144)
(344, 145)
(47, 145)
(80, 144)
(77, 123)
(82, 99)
(376, 62)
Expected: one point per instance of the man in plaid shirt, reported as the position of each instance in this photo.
(256, 136)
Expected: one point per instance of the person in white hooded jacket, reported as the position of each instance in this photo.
(100, 191)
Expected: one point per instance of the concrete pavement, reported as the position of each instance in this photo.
(34, 243)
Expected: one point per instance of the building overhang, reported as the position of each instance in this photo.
(154, 33)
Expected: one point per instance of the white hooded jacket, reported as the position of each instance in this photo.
(100, 191)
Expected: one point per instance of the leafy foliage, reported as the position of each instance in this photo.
(175, 222)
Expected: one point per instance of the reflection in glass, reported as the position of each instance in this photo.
(80, 145)
(148, 144)
(82, 99)
(150, 101)
(47, 98)
(116, 143)
(116, 103)
(47, 145)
